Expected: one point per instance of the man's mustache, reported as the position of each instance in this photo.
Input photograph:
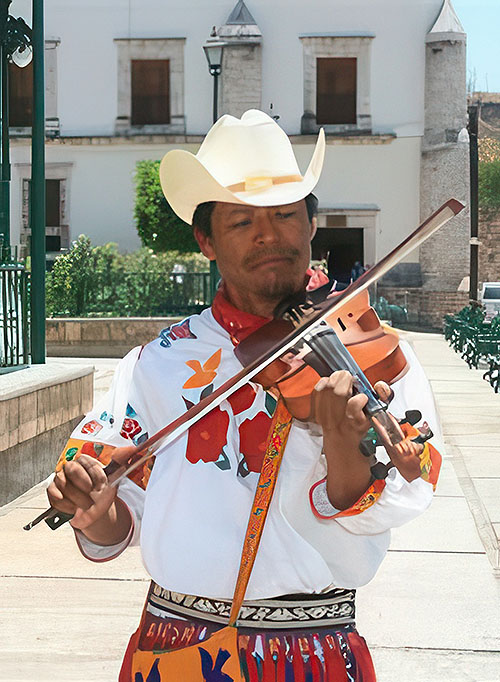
(276, 252)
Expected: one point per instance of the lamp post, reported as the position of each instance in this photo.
(15, 46)
(37, 207)
(473, 128)
(213, 52)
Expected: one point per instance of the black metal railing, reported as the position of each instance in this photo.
(14, 315)
(189, 292)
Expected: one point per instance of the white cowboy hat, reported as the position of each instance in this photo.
(241, 161)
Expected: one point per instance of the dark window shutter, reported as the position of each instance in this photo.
(53, 202)
(150, 92)
(336, 90)
(20, 95)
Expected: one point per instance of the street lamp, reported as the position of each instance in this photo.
(16, 47)
(213, 52)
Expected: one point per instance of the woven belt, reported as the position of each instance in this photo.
(291, 611)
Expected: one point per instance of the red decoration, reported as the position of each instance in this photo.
(242, 399)
(207, 437)
(253, 439)
(130, 428)
(91, 427)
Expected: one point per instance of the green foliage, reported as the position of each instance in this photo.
(158, 226)
(101, 281)
(489, 185)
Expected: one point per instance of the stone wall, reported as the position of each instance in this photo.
(489, 250)
(39, 407)
(102, 338)
(425, 308)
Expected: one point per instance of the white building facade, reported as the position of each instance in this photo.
(359, 68)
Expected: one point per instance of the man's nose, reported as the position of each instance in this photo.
(266, 232)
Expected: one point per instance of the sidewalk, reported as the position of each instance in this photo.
(431, 614)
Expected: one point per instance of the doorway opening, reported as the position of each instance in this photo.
(341, 247)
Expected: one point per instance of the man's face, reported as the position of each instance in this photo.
(263, 252)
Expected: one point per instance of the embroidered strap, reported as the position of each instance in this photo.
(278, 435)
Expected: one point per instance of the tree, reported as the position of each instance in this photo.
(159, 228)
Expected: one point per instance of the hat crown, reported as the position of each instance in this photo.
(253, 146)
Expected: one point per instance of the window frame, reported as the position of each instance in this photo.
(171, 49)
(53, 171)
(355, 45)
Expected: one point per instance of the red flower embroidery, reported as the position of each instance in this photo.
(253, 440)
(91, 427)
(207, 437)
(242, 399)
(130, 428)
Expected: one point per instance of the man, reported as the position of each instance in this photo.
(329, 520)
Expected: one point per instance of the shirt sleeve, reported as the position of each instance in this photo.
(392, 502)
(118, 419)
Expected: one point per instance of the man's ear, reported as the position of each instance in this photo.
(204, 242)
(314, 226)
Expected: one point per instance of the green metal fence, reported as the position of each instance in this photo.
(14, 316)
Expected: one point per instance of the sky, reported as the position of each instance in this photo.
(481, 21)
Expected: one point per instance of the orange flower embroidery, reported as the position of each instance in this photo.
(203, 374)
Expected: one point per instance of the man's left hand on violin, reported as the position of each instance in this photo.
(344, 423)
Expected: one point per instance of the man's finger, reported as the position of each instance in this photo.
(87, 474)
(58, 501)
(354, 410)
(71, 493)
(384, 391)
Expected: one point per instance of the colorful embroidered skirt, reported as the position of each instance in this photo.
(299, 638)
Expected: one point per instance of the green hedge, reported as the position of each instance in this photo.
(158, 226)
(98, 280)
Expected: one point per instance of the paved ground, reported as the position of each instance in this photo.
(431, 614)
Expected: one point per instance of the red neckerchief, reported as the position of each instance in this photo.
(240, 324)
(237, 323)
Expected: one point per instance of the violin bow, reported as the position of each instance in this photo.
(133, 457)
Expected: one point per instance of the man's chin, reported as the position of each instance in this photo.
(276, 290)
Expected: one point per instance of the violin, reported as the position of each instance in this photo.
(374, 351)
(282, 346)
(321, 352)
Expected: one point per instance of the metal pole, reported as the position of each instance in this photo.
(474, 201)
(214, 271)
(5, 167)
(37, 212)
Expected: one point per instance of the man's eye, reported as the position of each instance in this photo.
(289, 214)
(242, 223)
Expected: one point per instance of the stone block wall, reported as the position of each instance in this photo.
(425, 308)
(489, 250)
(39, 407)
(102, 338)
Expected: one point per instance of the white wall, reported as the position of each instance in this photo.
(87, 57)
(101, 192)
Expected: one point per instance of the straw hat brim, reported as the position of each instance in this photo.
(186, 183)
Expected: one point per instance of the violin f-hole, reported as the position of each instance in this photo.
(341, 324)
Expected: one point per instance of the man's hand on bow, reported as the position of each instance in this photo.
(82, 489)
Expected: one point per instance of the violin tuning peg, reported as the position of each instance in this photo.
(412, 417)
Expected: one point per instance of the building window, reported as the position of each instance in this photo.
(337, 83)
(150, 92)
(56, 204)
(336, 90)
(150, 86)
(20, 96)
(21, 93)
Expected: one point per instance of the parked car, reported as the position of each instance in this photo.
(490, 299)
